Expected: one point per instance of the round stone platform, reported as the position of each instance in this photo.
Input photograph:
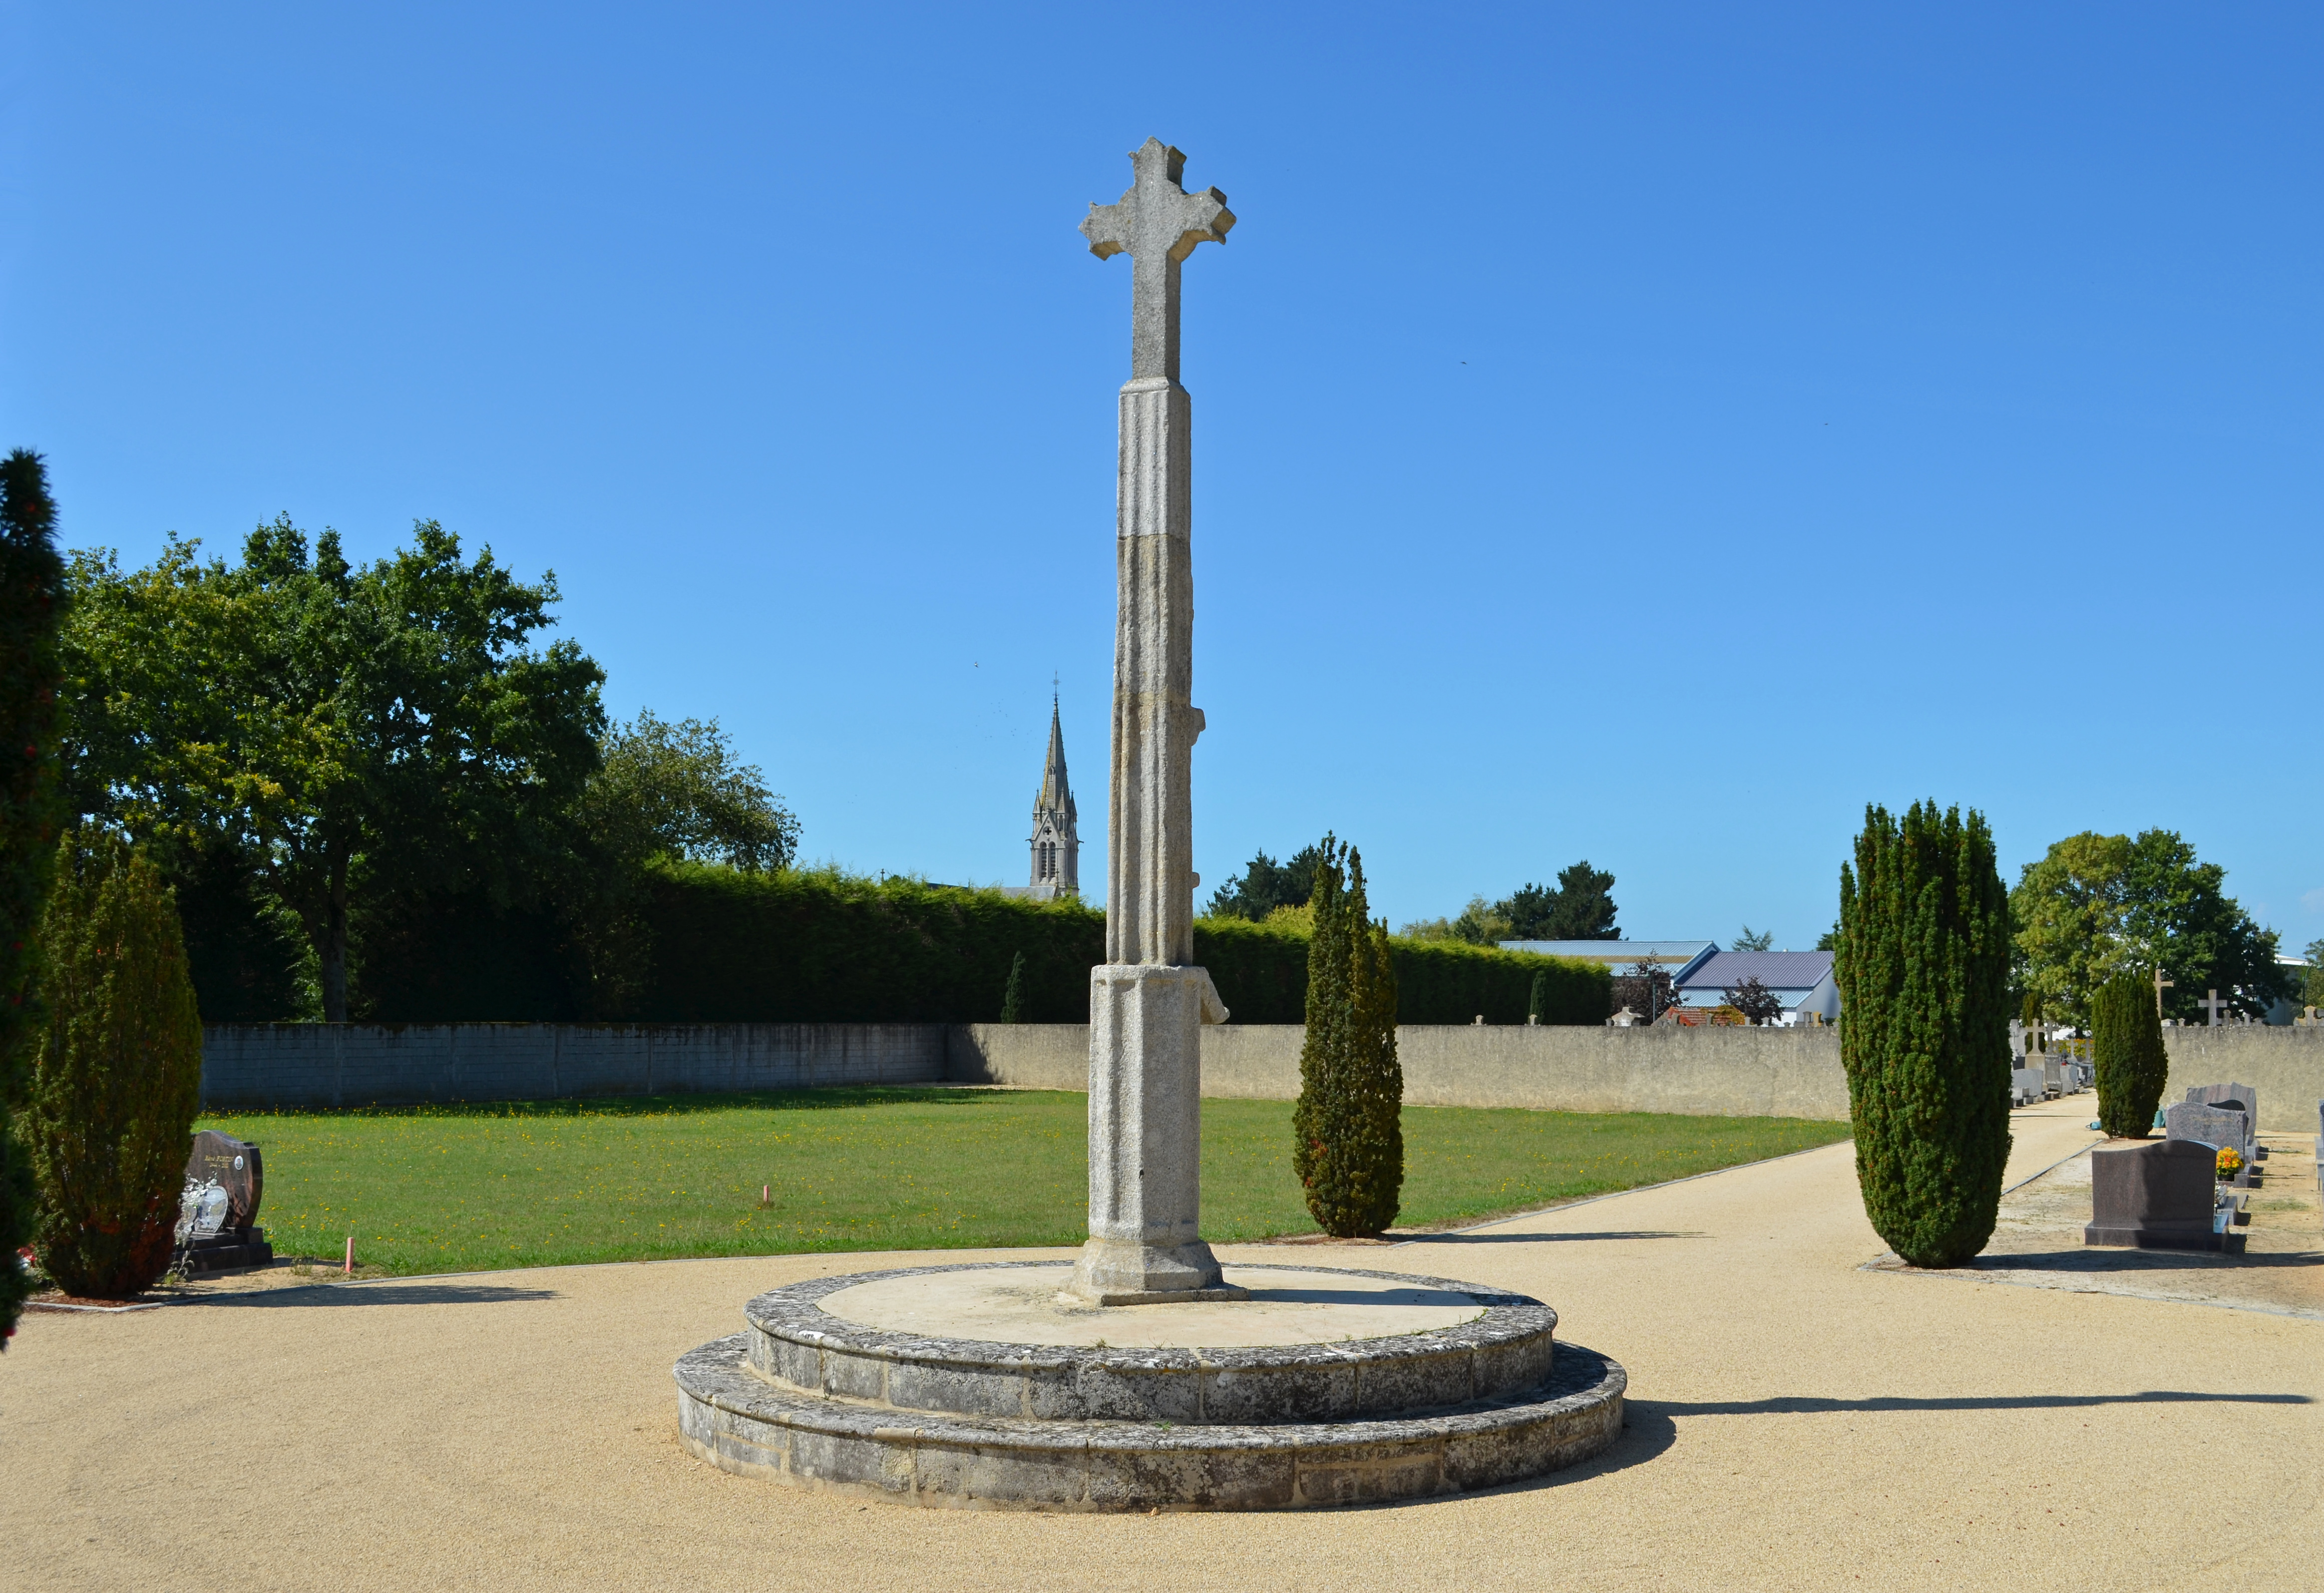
(979, 1384)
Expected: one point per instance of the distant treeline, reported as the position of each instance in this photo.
(713, 944)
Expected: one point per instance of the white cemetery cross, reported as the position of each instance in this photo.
(1148, 1001)
(2211, 1004)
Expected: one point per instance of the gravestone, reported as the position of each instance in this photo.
(2220, 1126)
(224, 1180)
(2025, 1085)
(2161, 1195)
(2245, 1096)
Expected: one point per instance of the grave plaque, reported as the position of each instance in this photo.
(2218, 1126)
(225, 1179)
(2162, 1195)
(2242, 1096)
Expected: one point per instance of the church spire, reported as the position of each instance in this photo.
(1056, 793)
(1057, 843)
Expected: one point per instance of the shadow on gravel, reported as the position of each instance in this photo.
(1543, 1239)
(303, 1296)
(2123, 1260)
(1809, 1405)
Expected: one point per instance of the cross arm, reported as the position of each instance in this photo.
(1185, 221)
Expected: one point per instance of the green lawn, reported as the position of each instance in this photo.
(459, 1189)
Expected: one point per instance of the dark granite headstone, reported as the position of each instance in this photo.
(2161, 1195)
(224, 1180)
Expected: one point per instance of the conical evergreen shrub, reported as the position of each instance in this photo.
(2126, 1044)
(118, 1076)
(31, 606)
(1012, 996)
(1924, 974)
(1348, 1131)
(1538, 1001)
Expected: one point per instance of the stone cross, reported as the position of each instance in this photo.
(1157, 224)
(2212, 1005)
(1148, 1001)
(2161, 985)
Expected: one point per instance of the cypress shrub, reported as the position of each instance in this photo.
(32, 582)
(1539, 999)
(1924, 974)
(2126, 1044)
(1348, 1134)
(119, 1074)
(1012, 1000)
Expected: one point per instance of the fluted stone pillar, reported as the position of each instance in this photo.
(1148, 1001)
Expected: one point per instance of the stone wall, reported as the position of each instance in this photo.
(358, 1064)
(1714, 1071)
(2284, 1065)
(1701, 1072)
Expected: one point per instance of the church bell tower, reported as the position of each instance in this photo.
(1056, 844)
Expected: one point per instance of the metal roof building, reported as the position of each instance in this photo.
(1802, 981)
(1673, 957)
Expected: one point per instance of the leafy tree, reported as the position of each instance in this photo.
(2095, 904)
(1753, 940)
(1756, 1003)
(1347, 1129)
(1266, 886)
(384, 730)
(118, 1079)
(247, 956)
(2126, 1046)
(1829, 941)
(2312, 976)
(32, 580)
(1480, 924)
(1645, 989)
(678, 791)
(1580, 908)
(2029, 1017)
(1924, 971)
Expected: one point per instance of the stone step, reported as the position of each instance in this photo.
(794, 1343)
(735, 1419)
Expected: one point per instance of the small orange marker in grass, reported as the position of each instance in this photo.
(351, 1255)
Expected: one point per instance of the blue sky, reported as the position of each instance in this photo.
(1642, 433)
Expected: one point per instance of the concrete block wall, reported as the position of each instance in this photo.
(1705, 1071)
(2285, 1064)
(1700, 1072)
(358, 1064)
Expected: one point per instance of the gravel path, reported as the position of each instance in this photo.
(1796, 1421)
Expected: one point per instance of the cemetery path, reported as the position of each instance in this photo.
(1796, 1422)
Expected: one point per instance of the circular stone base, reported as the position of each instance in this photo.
(977, 1385)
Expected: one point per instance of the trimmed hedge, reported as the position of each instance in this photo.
(819, 947)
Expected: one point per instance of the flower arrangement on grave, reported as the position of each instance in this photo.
(2231, 1162)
